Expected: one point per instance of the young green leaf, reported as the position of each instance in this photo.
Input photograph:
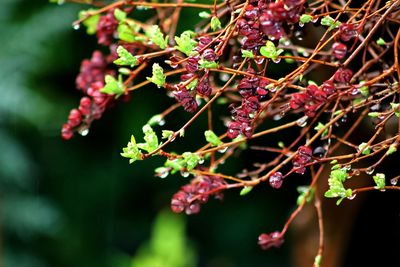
(321, 126)
(156, 36)
(120, 15)
(192, 85)
(380, 42)
(90, 21)
(364, 148)
(269, 50)
(392, 149)
(204, 15)
(289, 60)
(125, 33)
(155, 120)
(247, 53)
(364, 89)
(305, 191)
(166, 134)
(175, 165)
(185, 43)
(212, 138)
(207, 64)
(113, 86)
(330, 22)
(379, 180)
(191, 160)
(374, 114)
(336, 188)
(317, 260)
(150, 138)
(125, 58)
(158, 77)
(132, 151)
(215, 23)
(305, 18)
(245, 190)
(395, 108)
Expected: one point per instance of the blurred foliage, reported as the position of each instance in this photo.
(168, 246)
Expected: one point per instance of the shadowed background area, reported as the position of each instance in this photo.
(78, 203)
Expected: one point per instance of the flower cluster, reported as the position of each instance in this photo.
(252, 90)
(274, 239)
(343, 75)
(313, 98)
(106, 28)
(205, 51)
(187, 100)
(347, 32)
(264, 20)
(303, 156)
(191, 196)
(276, 180)
(90, 81)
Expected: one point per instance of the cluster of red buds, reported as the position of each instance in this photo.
(191, 196)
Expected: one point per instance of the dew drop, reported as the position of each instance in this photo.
(319, 152)
(306, 54)
(376, 148)
(301, 24)
(161, 122)
(354, 91)
(224, 77)
(302, 122)
(201, 161)
(173, 65)
(76, 26)
(375, 107)
(298, 35)
(259, 60)
(356, 172)
(223, 150)
(353, 196)
(343, 119)
(185, 174)
(347, 167)
(163, 175)
(370, 171)
(272, 89)
(83, 131)
(314, 20)
(277, 117)
(393, 181)
(276, 60)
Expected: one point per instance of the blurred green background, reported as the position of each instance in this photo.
(77, 202)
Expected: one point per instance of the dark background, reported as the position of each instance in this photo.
(78, 203)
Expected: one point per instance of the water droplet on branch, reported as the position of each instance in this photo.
(302, 122)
